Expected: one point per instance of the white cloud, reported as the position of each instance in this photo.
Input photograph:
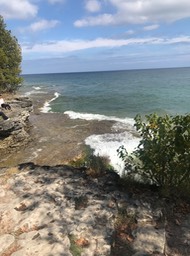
(66, 46)
(41, 25)
(151, 27)
(140, 12)
(105, 19)
(14, 9)
(93, 5)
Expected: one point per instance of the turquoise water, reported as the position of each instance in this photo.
(120, 93)
(116, 96)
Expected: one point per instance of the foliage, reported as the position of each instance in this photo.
(10, 60)
(163, 154)
(74, 248)
(95, 165)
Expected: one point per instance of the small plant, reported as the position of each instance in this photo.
(83, 160)
(95, 165)
(75, 249)
(125, 219)
(163, 155)
(77, 245)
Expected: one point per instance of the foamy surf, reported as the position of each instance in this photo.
(98, 117)
(107, 144)
(35, 90)
(46, 108)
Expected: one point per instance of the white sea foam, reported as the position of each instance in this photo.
(37, 88)
(34, 92)
(46, 108)
(107, 145)
(98, 117)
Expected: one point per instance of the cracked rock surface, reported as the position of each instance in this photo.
(58, 210)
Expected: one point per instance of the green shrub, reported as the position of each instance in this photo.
(163, 154)
(95, 165)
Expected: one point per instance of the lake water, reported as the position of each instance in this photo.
(114, 95)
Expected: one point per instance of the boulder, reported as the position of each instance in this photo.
(14, 131)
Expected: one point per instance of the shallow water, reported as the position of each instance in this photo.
(114, 96)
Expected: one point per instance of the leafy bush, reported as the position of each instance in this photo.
(163, 154)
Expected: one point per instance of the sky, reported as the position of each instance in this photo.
(96, 35)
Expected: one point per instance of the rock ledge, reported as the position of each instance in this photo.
(14, 131)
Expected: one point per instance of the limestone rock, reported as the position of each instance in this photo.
(14, 131)
(149, 240)
(6, 241)
(47, 219)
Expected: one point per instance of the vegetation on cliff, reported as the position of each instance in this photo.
(163, 155)
(10, 60)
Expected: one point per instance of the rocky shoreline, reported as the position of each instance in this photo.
(48, 208)
(51, 138)
(14, 132)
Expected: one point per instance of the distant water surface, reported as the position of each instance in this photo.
(114, 95)
(119, 93)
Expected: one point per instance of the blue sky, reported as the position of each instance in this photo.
(93, 35)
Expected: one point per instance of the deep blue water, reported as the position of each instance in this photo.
(117, 93)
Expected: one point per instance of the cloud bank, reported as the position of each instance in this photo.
(139, 12)
(14, 9)
(40, 25)
(66, 46)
